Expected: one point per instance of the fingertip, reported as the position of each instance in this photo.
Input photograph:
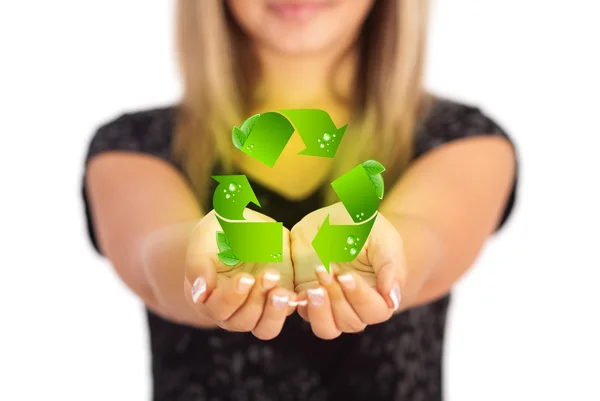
(299, 300)
(270, 279)
(198, 290)
(347, 281)
(395, 296)
(198, 268)
(244, 283)
(291, 304)
(300, 304)
(325, 278)
(279, 301)
(316, 296)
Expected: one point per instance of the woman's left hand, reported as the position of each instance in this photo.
(359, 293)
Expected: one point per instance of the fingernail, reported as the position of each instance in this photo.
(347, 281)
(270, 280)
(298, 303)
(323, 274)
(279, 301)
(316, 296)
(395, 295)
(245, 283)
(198, 288)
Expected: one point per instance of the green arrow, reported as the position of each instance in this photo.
(361, 189)
(263, 136)
(317, 130)
(341, 243)
(250, 242)
(232, 195)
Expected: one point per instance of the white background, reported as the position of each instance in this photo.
(524, 321)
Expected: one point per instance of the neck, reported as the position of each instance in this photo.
(305, 81)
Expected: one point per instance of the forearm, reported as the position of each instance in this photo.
(162, 258)
(445, 208)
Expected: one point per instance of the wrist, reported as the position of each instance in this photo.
(423, 251)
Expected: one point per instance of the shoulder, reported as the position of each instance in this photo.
(446, 120)
(145, 131)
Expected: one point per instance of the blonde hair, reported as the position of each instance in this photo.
(219, 82)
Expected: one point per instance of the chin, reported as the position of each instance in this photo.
(296, 40)
(300, 46)
(298, 27)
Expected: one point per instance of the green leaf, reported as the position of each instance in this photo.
(377, 181)
(228, 258)
(373, 167)
(238, 137)
(222, 242)
(249, 124)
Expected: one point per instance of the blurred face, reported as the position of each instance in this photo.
(299, 27)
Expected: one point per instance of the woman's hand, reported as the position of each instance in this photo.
(363, 292)
(247, 297)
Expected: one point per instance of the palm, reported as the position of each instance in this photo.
(305, 257)
(211, 226)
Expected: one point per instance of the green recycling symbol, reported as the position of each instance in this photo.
(264, 137)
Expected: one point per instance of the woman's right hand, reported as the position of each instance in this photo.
(246, 297)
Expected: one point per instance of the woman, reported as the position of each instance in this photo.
(372, 330)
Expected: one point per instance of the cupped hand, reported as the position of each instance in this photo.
(363, 292)
(248, 297)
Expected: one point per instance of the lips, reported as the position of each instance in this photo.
(298, 10)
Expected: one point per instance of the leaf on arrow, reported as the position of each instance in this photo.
(223, 242)
(249, 124)
(228, 258)
(238, 137)
(373, 167)
(377, 181)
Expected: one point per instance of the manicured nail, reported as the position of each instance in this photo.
(323, 274)
(279, 301)
(316, 296)
(395, 295)
(347, 281)
(245, 283)
(198, 288)
(270, 280)
(298, 303)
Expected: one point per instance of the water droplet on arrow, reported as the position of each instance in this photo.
(227, 196)
(321, 146)
(232, 186)
(353, 251)
(326, 136)
(351, 240)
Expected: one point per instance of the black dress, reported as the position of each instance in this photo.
(400, 359)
